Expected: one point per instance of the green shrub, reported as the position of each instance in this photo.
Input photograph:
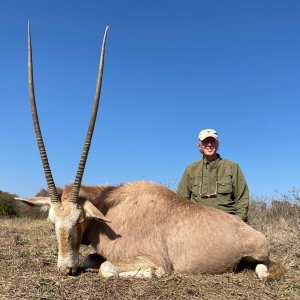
(44, 193)
(8, 206)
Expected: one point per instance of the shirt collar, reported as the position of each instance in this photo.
(212, 163)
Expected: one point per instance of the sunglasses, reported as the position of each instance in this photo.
(210, 141)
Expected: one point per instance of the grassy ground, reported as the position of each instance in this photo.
(28, 254)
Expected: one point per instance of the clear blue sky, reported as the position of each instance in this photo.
(172, 68)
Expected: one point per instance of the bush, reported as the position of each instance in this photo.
(44, 193)
(262, 212)
(8, 206)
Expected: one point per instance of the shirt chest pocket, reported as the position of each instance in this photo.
(199, 186)
(225, 185)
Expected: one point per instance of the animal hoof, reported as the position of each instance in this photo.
(107, 270)
(261, 271)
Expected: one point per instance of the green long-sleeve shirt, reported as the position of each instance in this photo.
(221, 177)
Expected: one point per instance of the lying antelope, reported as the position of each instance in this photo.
(142, 228)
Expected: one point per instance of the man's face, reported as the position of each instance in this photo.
(209, 147)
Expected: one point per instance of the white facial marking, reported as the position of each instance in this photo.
(65, 218)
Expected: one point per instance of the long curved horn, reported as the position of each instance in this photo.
(51, 186)
(89, 135)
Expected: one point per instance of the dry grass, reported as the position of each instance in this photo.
(28, 267)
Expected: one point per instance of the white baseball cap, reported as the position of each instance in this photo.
(205, 133)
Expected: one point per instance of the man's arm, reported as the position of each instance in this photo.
(184, 187)
(241, 193)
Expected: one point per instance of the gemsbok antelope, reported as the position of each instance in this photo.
(142, 228)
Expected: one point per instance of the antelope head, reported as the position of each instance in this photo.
(66, 212)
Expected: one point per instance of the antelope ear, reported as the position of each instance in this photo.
(36, 201)
(93, 212)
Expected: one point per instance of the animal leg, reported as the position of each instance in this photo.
(259, 264)
(265, 268)
(138, 267)
(275, 270)
(257, 251)
(93, 261)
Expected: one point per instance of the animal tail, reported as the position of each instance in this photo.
(276, 270)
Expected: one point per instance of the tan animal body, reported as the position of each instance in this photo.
(153, 231)
(142, 228)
